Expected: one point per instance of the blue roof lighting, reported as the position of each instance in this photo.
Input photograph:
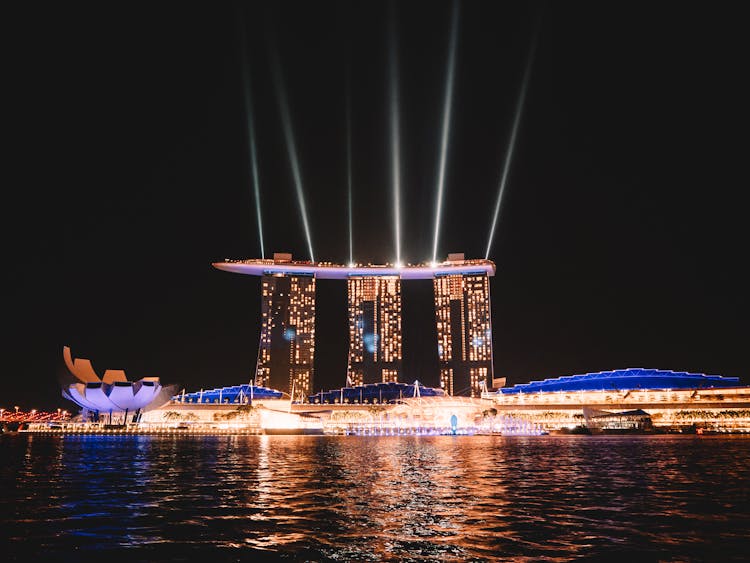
(232, 394)
(625, 379)
(375, 393)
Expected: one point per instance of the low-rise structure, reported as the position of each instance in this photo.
(673, 400)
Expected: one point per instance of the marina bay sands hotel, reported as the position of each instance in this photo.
(287, 341)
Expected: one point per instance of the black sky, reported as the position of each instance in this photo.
(622, 240)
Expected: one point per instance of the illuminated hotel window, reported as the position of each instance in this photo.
(464, 331)
(286, 356)
(374, 328)
(446, 380)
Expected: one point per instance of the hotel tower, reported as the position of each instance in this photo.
(287, 342)
(374, 329)
(464, 330)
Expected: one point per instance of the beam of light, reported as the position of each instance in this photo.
(395, 135)
(247, 90)
(291, 147)
(446, 125)
(349, 168)
(512, 142)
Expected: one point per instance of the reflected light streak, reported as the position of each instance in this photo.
(286, 122)
(395, 135)
(446, 125)
(512, 143)
(251, 133)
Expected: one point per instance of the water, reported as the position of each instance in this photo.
(344, 498)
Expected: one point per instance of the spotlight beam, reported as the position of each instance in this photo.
(247, 90)
(349, 166)
(395, 136)
(512, 143)
(291, 147)
(446, 125)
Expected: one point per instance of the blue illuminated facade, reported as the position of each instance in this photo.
(625, 379)
(375, 393)
(235, 394)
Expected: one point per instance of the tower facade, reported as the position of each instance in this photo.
(464, 330)
(287, 341)
(374, 329)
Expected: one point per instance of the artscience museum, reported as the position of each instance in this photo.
(112, 393)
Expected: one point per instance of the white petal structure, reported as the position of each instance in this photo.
(77, 393)
(116, 397)
(113, 393)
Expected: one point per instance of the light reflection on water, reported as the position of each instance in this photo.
(378, 498)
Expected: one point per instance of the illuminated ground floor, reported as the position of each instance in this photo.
(720, 410)
(684, 410)
(726, 409)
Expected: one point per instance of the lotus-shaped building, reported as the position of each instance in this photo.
(112, 392)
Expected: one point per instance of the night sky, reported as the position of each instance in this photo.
(622, 240)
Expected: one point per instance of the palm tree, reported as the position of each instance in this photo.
(246, 408)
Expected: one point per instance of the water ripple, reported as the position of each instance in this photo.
(304, 498)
